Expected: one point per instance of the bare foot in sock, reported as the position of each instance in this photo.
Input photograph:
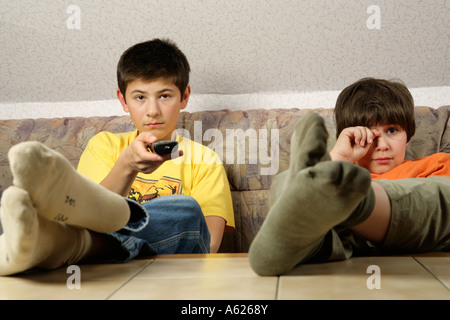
(30, 241)
(60, 193)
(316, 195)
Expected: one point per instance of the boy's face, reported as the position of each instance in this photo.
(387, 151)
(154, 106)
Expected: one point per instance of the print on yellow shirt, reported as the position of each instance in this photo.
(144, 190)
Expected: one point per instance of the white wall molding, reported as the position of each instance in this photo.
(430, 96)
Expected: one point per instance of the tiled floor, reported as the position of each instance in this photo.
(229, 277)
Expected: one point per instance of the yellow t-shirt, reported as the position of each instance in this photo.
(199, 173)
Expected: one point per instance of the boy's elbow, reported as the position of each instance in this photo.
(214, 245)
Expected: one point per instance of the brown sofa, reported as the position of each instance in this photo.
(248, 181)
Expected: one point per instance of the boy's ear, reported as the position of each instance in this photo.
(122, 101)
(185, 98)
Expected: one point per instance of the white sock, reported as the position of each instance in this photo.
(30, 241)
(60, 193)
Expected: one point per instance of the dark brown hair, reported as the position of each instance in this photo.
(150, 60)
(371, 101)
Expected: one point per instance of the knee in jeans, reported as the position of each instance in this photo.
(180, 205)
(188, 205)
(175, 209)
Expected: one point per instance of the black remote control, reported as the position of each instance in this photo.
(164, 147)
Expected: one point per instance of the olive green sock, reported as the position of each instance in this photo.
(307, 200)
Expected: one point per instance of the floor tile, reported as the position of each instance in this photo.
(198, 267)
(199, 278)
(96, 282)
(439, 267)
(230, 277)
(399, 278)
(202, 288)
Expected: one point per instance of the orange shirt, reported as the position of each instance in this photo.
(437, 164)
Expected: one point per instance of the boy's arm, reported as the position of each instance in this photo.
(214, 196)
(212, 191)
(353, 143)
(102, 162)
(216, 226)
(134, 159)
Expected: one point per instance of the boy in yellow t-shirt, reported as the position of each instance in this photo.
(125, 200)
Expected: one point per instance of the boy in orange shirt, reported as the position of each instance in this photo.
(376, 138)
(331, 206)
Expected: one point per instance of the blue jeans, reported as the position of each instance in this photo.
(165, 225)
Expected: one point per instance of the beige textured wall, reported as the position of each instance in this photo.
(58, 54)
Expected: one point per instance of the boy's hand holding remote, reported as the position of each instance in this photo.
(139, 158)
